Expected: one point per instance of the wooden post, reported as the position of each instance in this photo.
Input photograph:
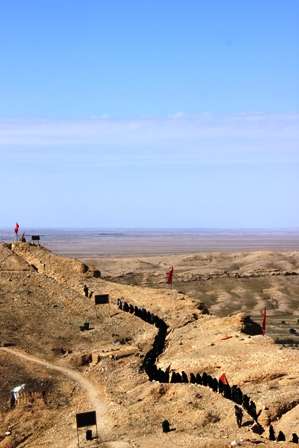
(96, 311)
(78, 438)
(97, 430)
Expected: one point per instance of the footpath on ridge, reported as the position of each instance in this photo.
(94, 400)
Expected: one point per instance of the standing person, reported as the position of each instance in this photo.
(17, 226)
(169, 276)
(13, 400)
(264, 320)
(239, 415)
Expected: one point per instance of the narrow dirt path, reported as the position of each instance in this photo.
(92, 393)
(86, 385)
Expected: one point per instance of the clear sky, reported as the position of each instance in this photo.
(131, 113)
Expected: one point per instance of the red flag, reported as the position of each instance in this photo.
(264, 318)
(223, 379)
(169, 276)
(17, 226)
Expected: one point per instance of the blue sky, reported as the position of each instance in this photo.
(149, 113)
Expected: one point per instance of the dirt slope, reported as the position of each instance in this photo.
(42, 308)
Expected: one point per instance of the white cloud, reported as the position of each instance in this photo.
(189, 141)
(178, 128)
(177, 115)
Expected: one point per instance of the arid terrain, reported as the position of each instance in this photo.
(224, 282)
(45, 299)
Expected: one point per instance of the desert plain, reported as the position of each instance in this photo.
(47, 294)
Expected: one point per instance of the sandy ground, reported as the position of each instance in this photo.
(42, 305)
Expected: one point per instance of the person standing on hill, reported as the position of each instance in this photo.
(239, 415)
(17, 227)
(169, 277)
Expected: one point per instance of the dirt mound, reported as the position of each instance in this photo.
(44, 261)
(9, 261)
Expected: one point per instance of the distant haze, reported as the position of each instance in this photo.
(94, 243)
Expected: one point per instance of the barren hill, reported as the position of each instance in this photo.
(225, 282)
(44, 299)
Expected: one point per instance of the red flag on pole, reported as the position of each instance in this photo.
(17, 226)
(223, 379)
(264, 319)
(169, 276)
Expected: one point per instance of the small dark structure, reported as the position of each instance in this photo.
(101, 299)
(85, 327)
(35, 239)
(165, 426)
(84, 420)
